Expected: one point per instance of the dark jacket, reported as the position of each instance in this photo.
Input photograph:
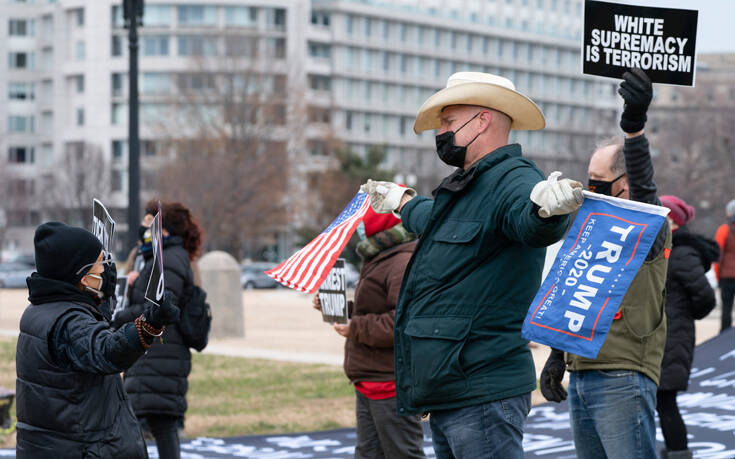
(157, 383)
(369, 349)
(468, 286)
(70, 399)
(689, 297)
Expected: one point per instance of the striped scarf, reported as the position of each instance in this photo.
(384, 240)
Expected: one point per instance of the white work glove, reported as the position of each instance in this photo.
(385, 197)
(557, 197)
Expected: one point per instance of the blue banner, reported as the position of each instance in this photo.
(606, 245)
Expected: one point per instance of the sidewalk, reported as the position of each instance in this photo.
(281, 325)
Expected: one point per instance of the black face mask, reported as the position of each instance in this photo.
(603, 187)
(449, 152)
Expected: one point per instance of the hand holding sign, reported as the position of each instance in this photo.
(103, 226)
(637, 92)
(332, 299)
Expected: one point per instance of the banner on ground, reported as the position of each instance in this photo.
(333, 295)
(661, 41)
(606, 245)
(103, 226)
(306, 270)
(154, 290)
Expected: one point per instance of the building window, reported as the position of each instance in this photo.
(197, 16)
(348, 121)
(317, 147)
(197, 46)
(79, 50)
(148, 147)
(348, 24)
(116, 50)
(80, 116)
(320, 50)
(117, 16)
(275, 18)
(20, 123)
(320, 82)
(403, 31)
(20, 91)
(155, 83)
(241, 16)
(20, 60)
(79, 83)
(155, 45)
(119, 114)
(21, 154)
(117, 84)
(368, 26)
(118, 150)
(386, 30)
(78, 15)
(20, 28)
(195, 82)
(320, 18)
(157, 15)
(276, 48)
(241, 46)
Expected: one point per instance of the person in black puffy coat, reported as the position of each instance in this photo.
(689, 297)
(157, 383)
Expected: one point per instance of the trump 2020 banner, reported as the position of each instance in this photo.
(607, 244)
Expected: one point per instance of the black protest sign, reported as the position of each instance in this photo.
(333, 295)
(121, 294)
(660, 41)
(155, 289)
(103, 226)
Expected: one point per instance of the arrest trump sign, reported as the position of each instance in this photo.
(607, 244)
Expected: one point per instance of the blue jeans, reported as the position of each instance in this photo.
(613, 414)
(490, 430)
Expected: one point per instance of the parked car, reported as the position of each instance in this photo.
(252, 275)
(13, 274)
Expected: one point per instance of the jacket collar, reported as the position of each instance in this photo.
(460, 178)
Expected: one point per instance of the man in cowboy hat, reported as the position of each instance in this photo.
(459, 354)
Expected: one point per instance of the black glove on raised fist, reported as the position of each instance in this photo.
(109, 280)
(637, 92)
(165, 314)
(551, 377)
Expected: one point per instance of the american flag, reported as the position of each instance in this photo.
(307, 269)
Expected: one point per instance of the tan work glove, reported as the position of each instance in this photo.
(386, 197)
(557, 197)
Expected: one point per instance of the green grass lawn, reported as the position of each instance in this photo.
(233, 396)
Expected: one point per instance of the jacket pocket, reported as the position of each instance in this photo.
(453, 245)
(436, 345)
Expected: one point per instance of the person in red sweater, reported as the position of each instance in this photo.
(385, 251)
(725, 269)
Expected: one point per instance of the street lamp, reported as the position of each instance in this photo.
(133, 16)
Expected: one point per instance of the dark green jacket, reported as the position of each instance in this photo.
(467, 288)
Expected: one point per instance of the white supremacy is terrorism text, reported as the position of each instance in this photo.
(638, 42)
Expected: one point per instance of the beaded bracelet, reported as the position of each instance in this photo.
(139, 327)
(155, 332)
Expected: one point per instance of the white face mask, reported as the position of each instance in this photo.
(96, 291)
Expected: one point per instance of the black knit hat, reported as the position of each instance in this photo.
(61, 250)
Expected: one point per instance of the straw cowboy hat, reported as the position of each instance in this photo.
(484, 90)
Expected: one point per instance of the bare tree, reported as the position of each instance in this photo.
(228, 146)
(79, 175)
(694, 140)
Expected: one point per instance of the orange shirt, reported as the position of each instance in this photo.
(721, 237)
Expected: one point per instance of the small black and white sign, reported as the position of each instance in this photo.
(103, 226)
(660, 41)
(155, 289)
(333, 295)
(121, 294)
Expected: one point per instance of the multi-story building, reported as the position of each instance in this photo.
(355, 72)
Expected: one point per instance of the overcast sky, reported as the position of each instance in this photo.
(715, 28)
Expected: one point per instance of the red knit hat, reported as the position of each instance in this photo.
(375, 222)
(681, 212)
